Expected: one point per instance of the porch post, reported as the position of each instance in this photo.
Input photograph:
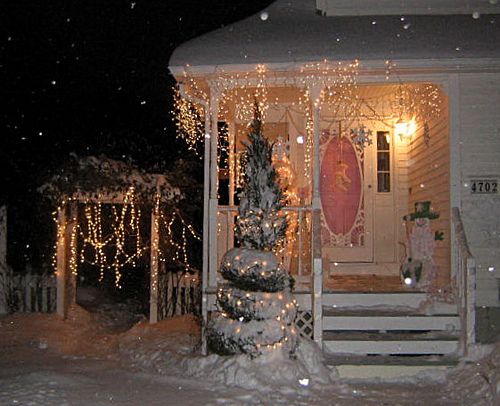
(232, 161)
(206, 195)
(214, 174)
(317, 265)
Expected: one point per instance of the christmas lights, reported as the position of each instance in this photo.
(107, 244)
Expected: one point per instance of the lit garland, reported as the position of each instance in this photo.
(286, 179)
(422, 102)
(337, 81)
(94, 245)
(126, 226)
(188, 118)
(109, 252)
(177, 251)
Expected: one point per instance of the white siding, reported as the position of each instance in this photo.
(429, 180)
(479, 111)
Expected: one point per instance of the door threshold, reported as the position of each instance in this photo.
(363, 268)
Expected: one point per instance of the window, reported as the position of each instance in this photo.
(383, 162)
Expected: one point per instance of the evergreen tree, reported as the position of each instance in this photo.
(256, 306)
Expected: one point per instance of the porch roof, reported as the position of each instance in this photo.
(296, 32)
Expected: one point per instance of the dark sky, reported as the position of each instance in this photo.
(91, 77)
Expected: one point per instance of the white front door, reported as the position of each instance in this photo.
(346, 190)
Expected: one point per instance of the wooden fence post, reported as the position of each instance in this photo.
(153, 278)
(71, 253)
(61, 261)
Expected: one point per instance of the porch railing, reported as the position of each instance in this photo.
(465, 283)
(297, 253)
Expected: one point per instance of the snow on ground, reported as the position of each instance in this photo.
(89, 360)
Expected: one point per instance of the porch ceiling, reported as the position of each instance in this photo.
(295, 32)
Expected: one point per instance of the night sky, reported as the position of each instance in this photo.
(89, 78)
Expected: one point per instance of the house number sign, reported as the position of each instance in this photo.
(484, 186)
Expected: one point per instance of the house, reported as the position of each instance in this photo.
(386, 128)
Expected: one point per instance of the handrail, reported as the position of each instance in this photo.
(466, 283)
(460, 233)
(226, 208)
(301, 266)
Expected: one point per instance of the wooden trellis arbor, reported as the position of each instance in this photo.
(66, 262)
(94, 182)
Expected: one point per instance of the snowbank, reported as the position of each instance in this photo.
(79, 335)
(172, 347)
(269, 372)
(161, 347)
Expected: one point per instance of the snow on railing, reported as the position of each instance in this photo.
(296, 255)
(466, 283)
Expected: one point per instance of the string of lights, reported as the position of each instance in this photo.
(112, 240)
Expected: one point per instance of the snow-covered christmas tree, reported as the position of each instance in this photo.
(256, 305)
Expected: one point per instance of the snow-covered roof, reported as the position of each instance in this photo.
(291, 31)
(406, 7)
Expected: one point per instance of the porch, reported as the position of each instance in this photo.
(352, 174)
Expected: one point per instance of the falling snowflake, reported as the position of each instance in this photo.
(361, 136)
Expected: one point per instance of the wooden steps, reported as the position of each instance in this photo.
(380, 320)
(363, 283)
(368, 334)
(389, 343)
(389, 367)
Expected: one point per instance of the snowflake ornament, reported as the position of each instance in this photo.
(281, 149)
(361, 136)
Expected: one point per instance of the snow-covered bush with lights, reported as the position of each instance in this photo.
(257, 309)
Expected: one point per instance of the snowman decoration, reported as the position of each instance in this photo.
(418, 268)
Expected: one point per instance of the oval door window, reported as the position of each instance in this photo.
(341, 186)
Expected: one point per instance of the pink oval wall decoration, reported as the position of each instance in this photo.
(340, 185)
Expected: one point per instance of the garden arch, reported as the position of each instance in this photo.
(101, 181)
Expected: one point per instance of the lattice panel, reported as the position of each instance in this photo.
(304, 323)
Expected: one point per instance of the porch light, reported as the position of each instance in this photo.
(405, 129)
(300, 139)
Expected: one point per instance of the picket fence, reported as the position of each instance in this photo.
(29, 293)
(179, 294)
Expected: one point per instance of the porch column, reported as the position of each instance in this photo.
(206, 187)
(206, 196)
(214, 174)
(231, 130)
(317, 265)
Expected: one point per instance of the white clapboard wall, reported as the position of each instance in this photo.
(479, 118)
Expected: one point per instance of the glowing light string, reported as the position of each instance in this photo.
(110, 252)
